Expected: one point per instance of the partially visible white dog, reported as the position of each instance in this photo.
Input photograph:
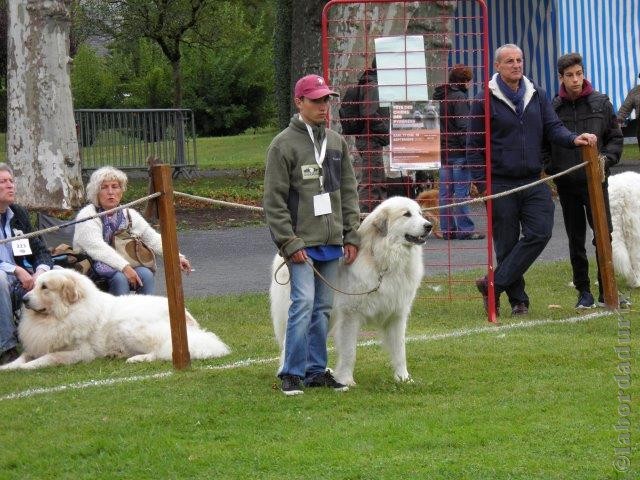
(68, 320)
(390, 262)
(624, 201)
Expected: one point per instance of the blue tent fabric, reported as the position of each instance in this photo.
(604, 32)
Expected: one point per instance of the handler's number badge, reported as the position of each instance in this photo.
(20, 247)
(321, 204)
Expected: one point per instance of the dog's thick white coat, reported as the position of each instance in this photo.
(624, 201)
(390, 256)
(68, 320)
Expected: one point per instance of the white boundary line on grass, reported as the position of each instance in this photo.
(260, 361)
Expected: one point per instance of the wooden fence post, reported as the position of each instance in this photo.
(600, 226)
(173, 276)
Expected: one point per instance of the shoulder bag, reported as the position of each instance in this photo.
(132, 248)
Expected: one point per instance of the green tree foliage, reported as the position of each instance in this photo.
(225, 64)
(230, 84)
(93, 85)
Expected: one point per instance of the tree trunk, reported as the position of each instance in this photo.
(177, 82)
(352, 29)
(282, 61)
(306, 38)
(349, 33)
(42, 146)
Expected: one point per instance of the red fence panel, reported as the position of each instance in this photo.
(390, 61)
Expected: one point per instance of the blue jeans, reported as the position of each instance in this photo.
(305, 344)
(8, 331)
(119, 285)
(455, 181)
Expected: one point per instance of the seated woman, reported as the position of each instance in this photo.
(94, 237)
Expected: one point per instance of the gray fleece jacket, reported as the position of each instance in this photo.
(292, 180)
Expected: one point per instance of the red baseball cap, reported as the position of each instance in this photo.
(312, 87)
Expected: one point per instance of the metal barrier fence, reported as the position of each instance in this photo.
(125, 138)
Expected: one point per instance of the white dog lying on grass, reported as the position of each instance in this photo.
(68, 320)
(390, 258)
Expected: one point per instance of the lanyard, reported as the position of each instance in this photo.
(323, 150)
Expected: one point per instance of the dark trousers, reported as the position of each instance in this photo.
(576, 212)
(522, 227)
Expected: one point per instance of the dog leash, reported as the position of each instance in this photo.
(327, 283)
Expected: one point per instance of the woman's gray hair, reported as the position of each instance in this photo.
(104, 174)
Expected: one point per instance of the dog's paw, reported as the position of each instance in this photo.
(13, 366)
(348, 381)
(146, 357)
(403, 377)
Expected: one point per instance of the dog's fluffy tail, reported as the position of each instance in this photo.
(203, 344)
(279, 293)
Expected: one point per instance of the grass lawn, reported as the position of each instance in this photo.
(242, 151)
(534, 401)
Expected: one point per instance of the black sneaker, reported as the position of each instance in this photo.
(291, 385)
(585, 300)
(326, 380)
(519, 309)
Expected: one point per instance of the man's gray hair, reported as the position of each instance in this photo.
(507, 46)
(4, 167)
(104, 174)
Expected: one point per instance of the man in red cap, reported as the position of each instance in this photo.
(311, 207)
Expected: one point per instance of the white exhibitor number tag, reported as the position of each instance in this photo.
(321, 204)
(20, 247)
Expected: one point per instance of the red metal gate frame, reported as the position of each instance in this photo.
(485, 82)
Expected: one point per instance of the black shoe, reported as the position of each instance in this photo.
(326, 380)
(483, 287)
(9, 356)
(291, 385)
(519, 309)
(585, 300)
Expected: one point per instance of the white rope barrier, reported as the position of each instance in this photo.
(218, 202)
(507, 192)
(260, 209)
(73, 222)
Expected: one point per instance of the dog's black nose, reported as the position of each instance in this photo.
(428, 227)
(25, 300)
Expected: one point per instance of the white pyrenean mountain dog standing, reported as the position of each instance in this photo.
(390, 258)
(67, 319)
(624, 202)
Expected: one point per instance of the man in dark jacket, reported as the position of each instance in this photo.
(582, 109)
(370, 172)
(20, 262)
(454, 174)
(521, 119)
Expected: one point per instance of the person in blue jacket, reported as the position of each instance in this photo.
(522, 119)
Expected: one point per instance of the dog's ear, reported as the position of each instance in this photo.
(381, 222)
(70, 290)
